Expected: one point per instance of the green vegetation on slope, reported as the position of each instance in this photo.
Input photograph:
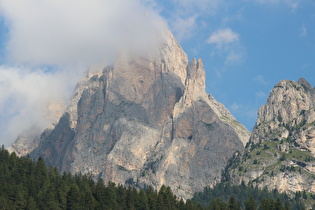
(270, 158)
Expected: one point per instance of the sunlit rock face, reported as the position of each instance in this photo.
(289, 111)
(281, 149)
(146, 120)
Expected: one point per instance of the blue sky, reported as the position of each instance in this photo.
(247, 46)
(273, 40)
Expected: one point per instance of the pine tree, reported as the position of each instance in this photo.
(278, 205)
(142, 201)
(217, 204)
(287, 206)
(267, 204)
(62, 191)
(41, 176)
(50, 200)
(4, 203)
(100, 194)
(122, 196)
(251, 204)
(111, 195)
(233, 204)
(31, 204)
(181, 204)
(73, 198)
(152, 198)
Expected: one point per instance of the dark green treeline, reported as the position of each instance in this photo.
(226, 196)
(26, 184)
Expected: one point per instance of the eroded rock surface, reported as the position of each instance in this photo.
(280, 153)
(146, 120)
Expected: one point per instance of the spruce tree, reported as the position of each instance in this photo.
(251, 204)
(233, 204)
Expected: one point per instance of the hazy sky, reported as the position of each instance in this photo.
(247, 46)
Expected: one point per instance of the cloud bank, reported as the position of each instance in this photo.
(61, 32)
(50, 43)
(31, 98)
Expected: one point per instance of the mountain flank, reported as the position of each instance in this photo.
(281, 149)
(143, 121)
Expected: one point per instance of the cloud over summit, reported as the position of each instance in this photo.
(49, 44)
(58, 32)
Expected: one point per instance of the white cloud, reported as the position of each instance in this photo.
(304, 66)
(219, 72)
(260, 79)
(234, 57)
(223, 36)
(183, 17)
(293, 4)
(227, 45)
(28, 96)
(303, 31)
(203, 6)
(261, 94)
(59, 32)
(68, 36)
(183, 27)
(235, 106)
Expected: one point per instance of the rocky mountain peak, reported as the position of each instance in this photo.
(281, 153)
(285, 104)
(145, 120)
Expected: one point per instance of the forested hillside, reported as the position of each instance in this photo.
(226, 196)
(26, 184)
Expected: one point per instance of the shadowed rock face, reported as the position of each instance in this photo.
(146, 121)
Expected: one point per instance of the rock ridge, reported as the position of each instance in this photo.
(281, 150)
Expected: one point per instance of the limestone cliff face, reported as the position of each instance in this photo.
(289, 113)
(146, 120)
(280, 153)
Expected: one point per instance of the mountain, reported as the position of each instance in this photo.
(143, 121)
(281, 149)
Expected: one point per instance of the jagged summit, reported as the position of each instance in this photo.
(304, 83)
(145, 120)
(281, 150)
(285, 104)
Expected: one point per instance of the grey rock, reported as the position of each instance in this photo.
(281, 149)
(146, 120)
(305, 83)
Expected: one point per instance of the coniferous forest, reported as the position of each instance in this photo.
(28, 184)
